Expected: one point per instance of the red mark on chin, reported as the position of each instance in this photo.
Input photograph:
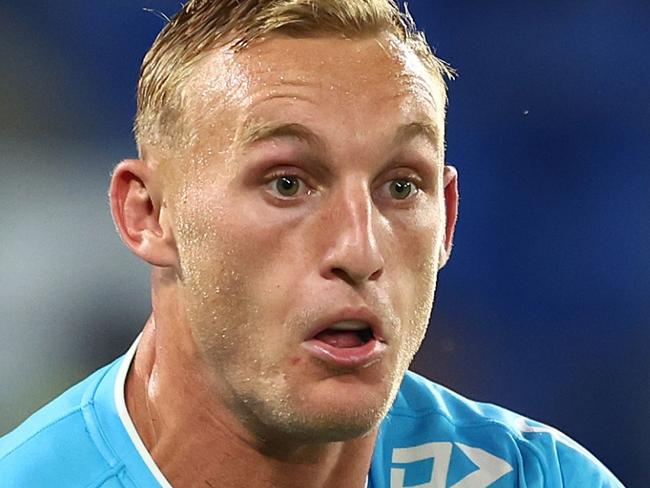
(295, 360)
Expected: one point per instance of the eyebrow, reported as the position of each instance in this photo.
(253, 131)
(427, 129)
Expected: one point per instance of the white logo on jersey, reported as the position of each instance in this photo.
(490, 467)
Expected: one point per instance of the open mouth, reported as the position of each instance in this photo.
(345, 338)
(350, 343)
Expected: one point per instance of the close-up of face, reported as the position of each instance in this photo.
(311, 214)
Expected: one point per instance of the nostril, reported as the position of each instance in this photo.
(375, 276)
(343, 275)
(353, 280)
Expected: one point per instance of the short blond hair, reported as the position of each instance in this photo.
(203, 25)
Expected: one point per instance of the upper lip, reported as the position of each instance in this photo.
(362, 314)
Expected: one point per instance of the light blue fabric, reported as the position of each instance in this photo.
(432, 438)
(455, 442)
(77, 440)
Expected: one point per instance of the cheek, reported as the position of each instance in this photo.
(235, 276)
(217, 307)
(213, 239)
(214, 277)
(415, 244)
(414, 266)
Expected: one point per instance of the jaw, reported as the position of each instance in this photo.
(315, 403)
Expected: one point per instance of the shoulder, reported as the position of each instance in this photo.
(57, 444)
(428, 421)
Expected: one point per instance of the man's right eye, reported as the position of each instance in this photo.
(287, 186)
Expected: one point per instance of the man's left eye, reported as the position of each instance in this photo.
(401, 189)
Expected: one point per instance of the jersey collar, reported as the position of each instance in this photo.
(119, 429)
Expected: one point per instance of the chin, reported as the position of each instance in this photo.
(333, 425)
(331, 417)
(319, 405)
(346, 406)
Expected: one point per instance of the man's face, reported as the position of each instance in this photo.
(311, 205)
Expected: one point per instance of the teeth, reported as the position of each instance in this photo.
(349, 325)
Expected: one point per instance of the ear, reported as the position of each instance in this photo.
(140, 217)
(450, 182)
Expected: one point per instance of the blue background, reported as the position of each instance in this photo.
(544, 306)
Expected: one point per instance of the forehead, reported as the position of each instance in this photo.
(373, 78)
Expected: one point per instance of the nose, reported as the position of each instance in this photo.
(353, 254)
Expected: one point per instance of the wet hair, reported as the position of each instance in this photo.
(204, 25)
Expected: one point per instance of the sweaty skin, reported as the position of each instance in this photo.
(222, 391)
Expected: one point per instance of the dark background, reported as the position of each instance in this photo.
(544, 306)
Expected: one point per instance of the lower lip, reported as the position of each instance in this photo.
(357, 357)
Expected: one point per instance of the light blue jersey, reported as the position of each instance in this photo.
(432, 438)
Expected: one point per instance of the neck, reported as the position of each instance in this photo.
(195, 440)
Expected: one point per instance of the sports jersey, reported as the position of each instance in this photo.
(431, 438)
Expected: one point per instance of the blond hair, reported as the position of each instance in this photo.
(204, 25)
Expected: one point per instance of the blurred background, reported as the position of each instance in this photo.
(544, 306)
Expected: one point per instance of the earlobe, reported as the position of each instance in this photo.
(450, 183)
(139, 219)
